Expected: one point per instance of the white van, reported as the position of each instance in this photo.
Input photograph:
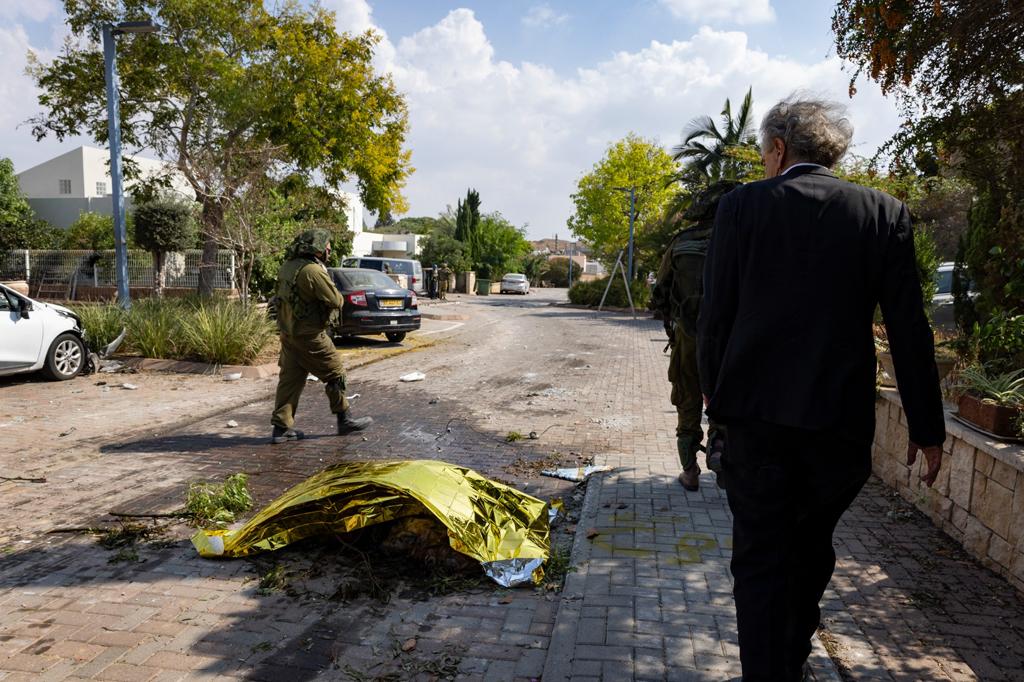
(392, 266)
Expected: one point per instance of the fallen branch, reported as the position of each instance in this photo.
(167, 515)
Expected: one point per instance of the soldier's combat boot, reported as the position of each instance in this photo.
(346, 424)
(687, 445)
(690, 477)
(283, 435)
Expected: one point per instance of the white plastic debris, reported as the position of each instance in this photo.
(413, 376)
(129, 387)
(232, 376)
(311, 378)
(352, 397)
(111, 367)
(232, 423)
(576, 474)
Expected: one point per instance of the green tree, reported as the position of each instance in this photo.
(413, 225)
(467, 224)
(440, 248)
(19, 229)
(557, 272)
(163, 226)
(95, 232)
(500, 246)
(704, 149)
(956, 67)
(601, 215)
(223, 81)
(535, 267)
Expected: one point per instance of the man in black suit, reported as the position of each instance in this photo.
(797, 264)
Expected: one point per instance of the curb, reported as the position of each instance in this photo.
(439, 316)
(558, 662)
(188, 367)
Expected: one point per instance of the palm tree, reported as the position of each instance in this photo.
(704, 150)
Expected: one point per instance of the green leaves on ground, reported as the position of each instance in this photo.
(213, 504)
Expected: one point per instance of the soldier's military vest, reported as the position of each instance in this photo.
(688, 251)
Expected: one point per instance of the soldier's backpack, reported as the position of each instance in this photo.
(689, 248)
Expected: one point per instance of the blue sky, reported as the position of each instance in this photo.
(518, 98)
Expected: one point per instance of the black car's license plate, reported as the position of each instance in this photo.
(391, 302)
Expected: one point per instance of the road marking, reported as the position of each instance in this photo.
(446, 329)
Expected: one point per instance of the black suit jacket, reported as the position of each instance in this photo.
(795, 269)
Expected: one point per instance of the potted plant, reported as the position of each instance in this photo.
(992, 402)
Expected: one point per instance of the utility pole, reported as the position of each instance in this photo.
(110, 31)
(632, 218)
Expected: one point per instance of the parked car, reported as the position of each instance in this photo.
(515, 283)
(374, 304)
(398, 266)
(40, 336)
(942, 301)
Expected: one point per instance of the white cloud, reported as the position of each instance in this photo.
(542, 16)
(718, 11)
(522, 134)
(352, 16)
(32, 10)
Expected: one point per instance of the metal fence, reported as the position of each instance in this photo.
(77, 268)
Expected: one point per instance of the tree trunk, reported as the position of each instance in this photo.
(213, 217)
(159, 278)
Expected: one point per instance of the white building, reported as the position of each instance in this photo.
(366, 243)
(79, 181)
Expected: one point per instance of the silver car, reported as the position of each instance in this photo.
(515, 283)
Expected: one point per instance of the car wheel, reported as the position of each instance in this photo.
(65, 359)
(395, 337)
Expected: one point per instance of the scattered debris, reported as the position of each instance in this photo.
(68, 432)
(23, 479)
(129, 387)
(100, 383)
(576, 474)
(513, 436)
(311, 378)
(232, 424)
(353, 396)
(413, 376)
(593, 533)
(533, 435)
(111, 367)
(210, 504)
(125, 555)
(274, 580)
(433, 401)
(409, 644)
(232, 376)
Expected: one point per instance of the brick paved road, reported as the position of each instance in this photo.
(650, 600)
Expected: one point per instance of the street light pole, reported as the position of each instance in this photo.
(110, 32)
(632, 217)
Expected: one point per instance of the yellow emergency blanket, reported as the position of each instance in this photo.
(503, 528)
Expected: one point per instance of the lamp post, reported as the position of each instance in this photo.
(632, 216)
(110, 31)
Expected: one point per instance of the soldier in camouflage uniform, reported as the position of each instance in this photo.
(307, 300)
(677, 295)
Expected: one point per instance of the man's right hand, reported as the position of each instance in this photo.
(933, 458)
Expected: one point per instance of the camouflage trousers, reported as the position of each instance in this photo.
(300, 357)
(687, 397)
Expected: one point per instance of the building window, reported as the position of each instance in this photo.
(65, 186)
(101, 188)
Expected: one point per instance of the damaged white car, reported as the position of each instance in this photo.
(40, 336)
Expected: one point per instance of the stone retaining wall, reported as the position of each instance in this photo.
(978, 498)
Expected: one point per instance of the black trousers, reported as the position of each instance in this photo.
(787, 489)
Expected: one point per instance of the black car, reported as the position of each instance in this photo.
(374, 304)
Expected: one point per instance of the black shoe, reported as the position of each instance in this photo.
(346, 424)
(283, 435)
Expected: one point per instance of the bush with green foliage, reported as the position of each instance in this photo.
(208, 330)
(19, 229)
(95, 232)
(590, 293)
(163, 226)
(557, 272)
(102, 323)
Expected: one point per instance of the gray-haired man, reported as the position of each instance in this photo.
(797, 264)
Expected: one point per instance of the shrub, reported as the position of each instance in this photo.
(154, 328)
(102, 323)
(589, 293)
(225, 332)
(213, 505)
